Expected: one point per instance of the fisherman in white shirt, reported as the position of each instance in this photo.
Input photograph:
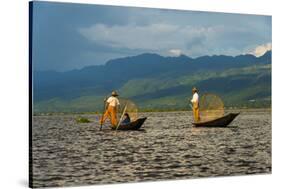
(112, 104)
(113, 100)
(195, 104)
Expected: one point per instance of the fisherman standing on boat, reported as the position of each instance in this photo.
(195, 104)
(112, 104)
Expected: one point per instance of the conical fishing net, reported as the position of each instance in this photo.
(210, 107)
(127, 106)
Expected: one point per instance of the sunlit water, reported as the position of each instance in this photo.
(66, 153)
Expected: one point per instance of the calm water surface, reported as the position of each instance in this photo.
(168, 147)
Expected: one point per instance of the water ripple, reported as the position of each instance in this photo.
(168, 147)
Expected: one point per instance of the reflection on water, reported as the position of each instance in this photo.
(168, 147)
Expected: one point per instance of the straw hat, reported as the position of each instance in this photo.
(194, 89)
(114, 93)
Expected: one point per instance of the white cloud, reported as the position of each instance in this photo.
(261, 49)
(155, 37)
(172, 38)
(175, 52)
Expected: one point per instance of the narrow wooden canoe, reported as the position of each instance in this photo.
(135, 125)
(219, 122)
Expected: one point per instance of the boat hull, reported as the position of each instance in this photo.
(219, 122)
(135, 125)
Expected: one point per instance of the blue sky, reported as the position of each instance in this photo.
(70, 36)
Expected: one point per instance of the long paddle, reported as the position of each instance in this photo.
(122, 116)
(104, 109)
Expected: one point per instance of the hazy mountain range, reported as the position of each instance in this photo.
(156, 82)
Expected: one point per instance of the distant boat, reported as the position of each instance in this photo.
(135, 125)
(218, 122)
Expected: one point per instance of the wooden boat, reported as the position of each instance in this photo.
(219, 122)
(135, 125)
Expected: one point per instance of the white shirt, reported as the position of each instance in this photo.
(195, 98)
(113, 101)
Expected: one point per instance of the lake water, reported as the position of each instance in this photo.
(66, 153)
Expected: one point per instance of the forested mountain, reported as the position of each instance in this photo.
(156, 82)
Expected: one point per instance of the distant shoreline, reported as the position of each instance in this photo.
(152, 111)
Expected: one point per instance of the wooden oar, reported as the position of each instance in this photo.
(122, 116)
(104, 109)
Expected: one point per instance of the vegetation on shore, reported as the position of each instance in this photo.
(246, 109)
(82, 120)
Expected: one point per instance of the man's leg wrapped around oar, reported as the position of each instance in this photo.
(104, 117)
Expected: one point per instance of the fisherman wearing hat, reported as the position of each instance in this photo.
(195, 104)
(111, 109)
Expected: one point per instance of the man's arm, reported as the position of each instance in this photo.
(117, 102)
(106, 103)
(192, 100)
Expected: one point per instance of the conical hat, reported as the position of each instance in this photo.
(114, 93)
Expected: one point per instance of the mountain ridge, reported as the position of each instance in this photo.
(151, 76)
(181, 56)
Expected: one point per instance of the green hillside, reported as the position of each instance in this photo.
(248, 87)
